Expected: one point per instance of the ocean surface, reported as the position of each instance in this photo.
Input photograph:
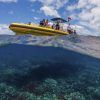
(49, 68)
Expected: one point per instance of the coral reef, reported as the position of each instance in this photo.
(48, 73)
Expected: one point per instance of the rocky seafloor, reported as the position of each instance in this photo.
(49, 68)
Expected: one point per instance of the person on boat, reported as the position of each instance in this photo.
(41, 23)
(69, 29)
(57, 26)
(46, 22)
(53, 26)
(74, 32)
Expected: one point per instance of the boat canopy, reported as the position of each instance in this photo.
(61, 20)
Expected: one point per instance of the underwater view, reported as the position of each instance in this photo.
(49, 68)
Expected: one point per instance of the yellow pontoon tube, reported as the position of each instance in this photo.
(33, 29)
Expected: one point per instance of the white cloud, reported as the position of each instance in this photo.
(82, 3)
(89, 15)
(71, 7)
(55, 3)
(51, 6)
(4, 29)
(49, 11)
(8, 1)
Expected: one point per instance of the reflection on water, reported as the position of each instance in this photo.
(47, 73)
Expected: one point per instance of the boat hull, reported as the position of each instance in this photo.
(21, 29)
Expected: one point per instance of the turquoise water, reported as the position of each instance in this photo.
(47, 73)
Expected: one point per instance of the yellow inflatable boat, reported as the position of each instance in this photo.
(34, 29)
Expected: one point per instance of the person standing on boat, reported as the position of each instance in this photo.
(46, 22)
(53, 26)
(57, 25)
(69, 29)
(42, 22)
(74, 32)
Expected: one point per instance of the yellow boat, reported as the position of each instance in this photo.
(34, 29)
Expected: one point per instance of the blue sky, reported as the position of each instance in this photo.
(26, 10)
(85, 13)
